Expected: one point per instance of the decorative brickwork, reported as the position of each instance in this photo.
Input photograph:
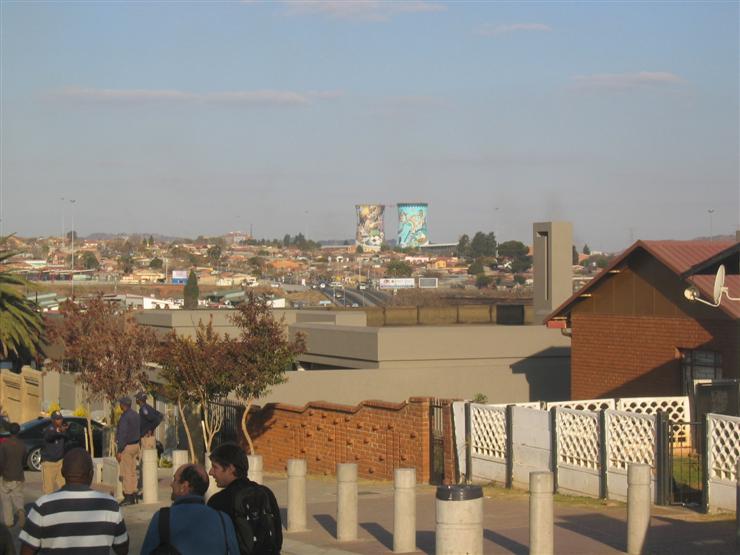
(377, 435)
(637, 356)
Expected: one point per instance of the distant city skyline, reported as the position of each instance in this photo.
(192, 118)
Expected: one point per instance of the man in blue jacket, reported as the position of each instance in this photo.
(128, 434)
(194, 528)
(56, 435)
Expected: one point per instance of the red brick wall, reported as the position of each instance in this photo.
(376, 435)
(635, 356)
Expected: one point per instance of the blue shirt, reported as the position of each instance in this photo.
(195, 529)
(128, 431)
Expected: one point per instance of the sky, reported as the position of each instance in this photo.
(189, 118)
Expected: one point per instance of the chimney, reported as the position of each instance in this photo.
(553, 266)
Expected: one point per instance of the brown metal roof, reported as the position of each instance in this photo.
(678, 256)
(705, 284)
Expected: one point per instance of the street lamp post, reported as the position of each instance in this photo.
(711, 229)
(72, 202)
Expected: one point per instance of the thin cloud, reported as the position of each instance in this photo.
(626, 81)
(146, 96)
(489, 30)
(361, 10)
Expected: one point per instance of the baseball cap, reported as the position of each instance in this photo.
(125, 401)
(56, 415)
(141, 396)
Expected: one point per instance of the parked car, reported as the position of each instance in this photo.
(32, 434)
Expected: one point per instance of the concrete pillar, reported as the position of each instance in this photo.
(179, 458)
(404, 510)
(296, 495)
(459, 527)
(149, 479)
(255, 468)
(638, 507)
(541, 513)
(346, 502)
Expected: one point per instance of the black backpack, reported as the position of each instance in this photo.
(257, 521)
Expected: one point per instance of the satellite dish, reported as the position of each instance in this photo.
(719, 284)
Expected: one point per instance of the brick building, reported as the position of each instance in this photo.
(634, 333)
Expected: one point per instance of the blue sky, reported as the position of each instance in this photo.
(191, 118)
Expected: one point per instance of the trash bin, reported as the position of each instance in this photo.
(459, 520)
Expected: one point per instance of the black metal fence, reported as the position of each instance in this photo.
(231, 429)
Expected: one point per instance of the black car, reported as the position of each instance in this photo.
(32, 434)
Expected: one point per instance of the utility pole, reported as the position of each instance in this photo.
(72, 202)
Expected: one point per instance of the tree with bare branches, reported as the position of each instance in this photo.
(105, 347)
(198, 371)
(263, 352)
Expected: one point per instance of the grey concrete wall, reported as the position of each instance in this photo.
(722, 495)
(530, 444)
(578, 481)
(503, 381)
(552, 266)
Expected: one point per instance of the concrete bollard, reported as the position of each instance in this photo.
(255, 468)
(149, 479)
(459, 527)
(541, 520)
(404, 510)
(346, 502)
(638, 507)
(296, 495)
(179, 458)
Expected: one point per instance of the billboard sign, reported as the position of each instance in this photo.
(428, 283)
(370, 232)
(179, 276)
(397, 283)
(412, 225)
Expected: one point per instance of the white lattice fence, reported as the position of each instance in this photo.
(587, 404)
(532, 405)
(488, 434)
(676, 410)
(630, 438)
(723, 449)
(577, 438)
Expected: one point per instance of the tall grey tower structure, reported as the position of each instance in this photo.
(553, 266)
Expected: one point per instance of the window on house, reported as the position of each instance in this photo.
(699, 365)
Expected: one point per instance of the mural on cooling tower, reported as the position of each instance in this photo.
(412, 225)
(370, 234)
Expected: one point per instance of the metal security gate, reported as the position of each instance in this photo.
(437, 454)
(231, 430)
(681, 468)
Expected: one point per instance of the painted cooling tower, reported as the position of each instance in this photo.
(412, 225)
(370, 233)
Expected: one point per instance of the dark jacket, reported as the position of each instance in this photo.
(53, 449)
(12, 456)
(128, 431)
(149, 418)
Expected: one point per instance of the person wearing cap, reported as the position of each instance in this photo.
(56, 435)
(128, 434)
(12, 456)
(150, 418)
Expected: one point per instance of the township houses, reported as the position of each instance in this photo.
(633, 331)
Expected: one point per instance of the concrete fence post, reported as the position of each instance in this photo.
(459, 520)
(179, 458)
(404, 510)
(296, 495)
(149, 479)
(541, 518)
(638, 507)
(346, 502)
(737, 506)
(255, 468)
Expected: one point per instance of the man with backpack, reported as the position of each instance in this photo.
(189, 527)
(251, 506)
(149, 419)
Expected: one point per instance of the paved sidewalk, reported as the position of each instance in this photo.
(588, 527)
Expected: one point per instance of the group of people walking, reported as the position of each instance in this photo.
(72, 517)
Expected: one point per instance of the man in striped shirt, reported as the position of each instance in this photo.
(75, 519)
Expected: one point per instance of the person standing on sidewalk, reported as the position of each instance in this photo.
(191, 528)
(150, 418)
(52, 453)
(12, 457)
(128, 434)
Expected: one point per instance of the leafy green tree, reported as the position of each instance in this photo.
(475, 268)
(384, 247)
(21, 326)
(483, 244)
(286, 240)
(214, 254)
(156, 264)
(521, 264)
(191, 292)
(151, 240)
(126, 263)
(463, 246)
(520, 279)
(574, 256)
(512, 249)
(586, 250)
(399, 268)
(359, 249)
(482, 281)
(89, 261)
